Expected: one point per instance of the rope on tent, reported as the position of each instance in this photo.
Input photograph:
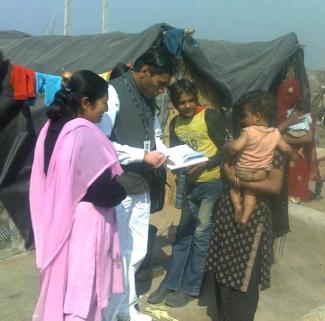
(313, 47)
(47, 32)
(28, 15)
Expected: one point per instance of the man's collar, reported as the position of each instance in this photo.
(131, 79)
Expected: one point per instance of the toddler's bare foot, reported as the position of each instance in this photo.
(238, 212)
(243, 222)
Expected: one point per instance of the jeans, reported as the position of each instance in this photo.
(186, 269)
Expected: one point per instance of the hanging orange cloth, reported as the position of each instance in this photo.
(22, 81)
(31, 83)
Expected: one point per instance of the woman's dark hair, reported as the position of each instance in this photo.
(118, 70)
(259, 101)
(178, 88)
(160, 61)
(67, 101)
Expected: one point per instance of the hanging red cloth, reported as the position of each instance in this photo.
(31, 83)
(22, 81)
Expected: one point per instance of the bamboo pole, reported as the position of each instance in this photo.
(66, 25)
(105, 16)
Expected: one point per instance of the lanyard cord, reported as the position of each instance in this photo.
(144, 118)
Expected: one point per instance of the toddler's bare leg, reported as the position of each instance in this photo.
(249, 204)
(235, 196)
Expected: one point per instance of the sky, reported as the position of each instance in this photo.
(233, 20)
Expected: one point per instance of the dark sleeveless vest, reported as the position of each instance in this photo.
(129, 128)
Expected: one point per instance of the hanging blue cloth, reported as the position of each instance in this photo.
(49, 85)
(173, 40)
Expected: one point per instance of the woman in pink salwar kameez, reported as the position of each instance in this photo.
(72, 197)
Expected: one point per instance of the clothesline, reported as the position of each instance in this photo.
(27, 84)
(313, 47)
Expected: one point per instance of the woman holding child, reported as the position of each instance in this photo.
(240, 255)
(298, 128)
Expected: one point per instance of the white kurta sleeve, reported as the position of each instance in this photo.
(160, 146)
(126, 154)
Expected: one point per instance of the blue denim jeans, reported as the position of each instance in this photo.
(186, 268)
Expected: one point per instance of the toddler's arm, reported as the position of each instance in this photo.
(238, 144)
(286, 149)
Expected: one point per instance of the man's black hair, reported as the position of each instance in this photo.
(160, 61)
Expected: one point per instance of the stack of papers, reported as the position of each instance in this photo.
(183, 156)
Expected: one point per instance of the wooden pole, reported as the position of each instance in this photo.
(105, 16)
(66, 17)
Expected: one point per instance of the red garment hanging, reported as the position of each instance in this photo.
(22, 81)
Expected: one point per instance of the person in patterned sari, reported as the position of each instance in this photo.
(241, 258)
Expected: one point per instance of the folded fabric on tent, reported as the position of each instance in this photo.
(22, 81)
(49, 85)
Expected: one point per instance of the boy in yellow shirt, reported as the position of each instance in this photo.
(203, 130)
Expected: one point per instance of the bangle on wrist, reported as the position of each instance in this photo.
(237, 182)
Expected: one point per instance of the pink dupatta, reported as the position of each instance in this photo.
(73, 277)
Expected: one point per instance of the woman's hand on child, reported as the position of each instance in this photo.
(295, 118)
(230, 172)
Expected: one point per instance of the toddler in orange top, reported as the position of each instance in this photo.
(255, 146)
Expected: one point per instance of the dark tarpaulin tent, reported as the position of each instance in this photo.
(99, 53)
(53, 55)
(239, 66)
(257, 65)
(17, 140)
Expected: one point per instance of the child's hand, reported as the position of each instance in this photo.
(195, 170)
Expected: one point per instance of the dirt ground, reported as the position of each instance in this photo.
(297, 282)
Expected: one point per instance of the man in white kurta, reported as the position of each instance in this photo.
(143, 83)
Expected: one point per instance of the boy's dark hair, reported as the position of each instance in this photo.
(259, 101)
(302, 105)
(118, 70)
(160, 61)
(178, 88)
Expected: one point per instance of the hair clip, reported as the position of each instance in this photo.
(68, 89)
